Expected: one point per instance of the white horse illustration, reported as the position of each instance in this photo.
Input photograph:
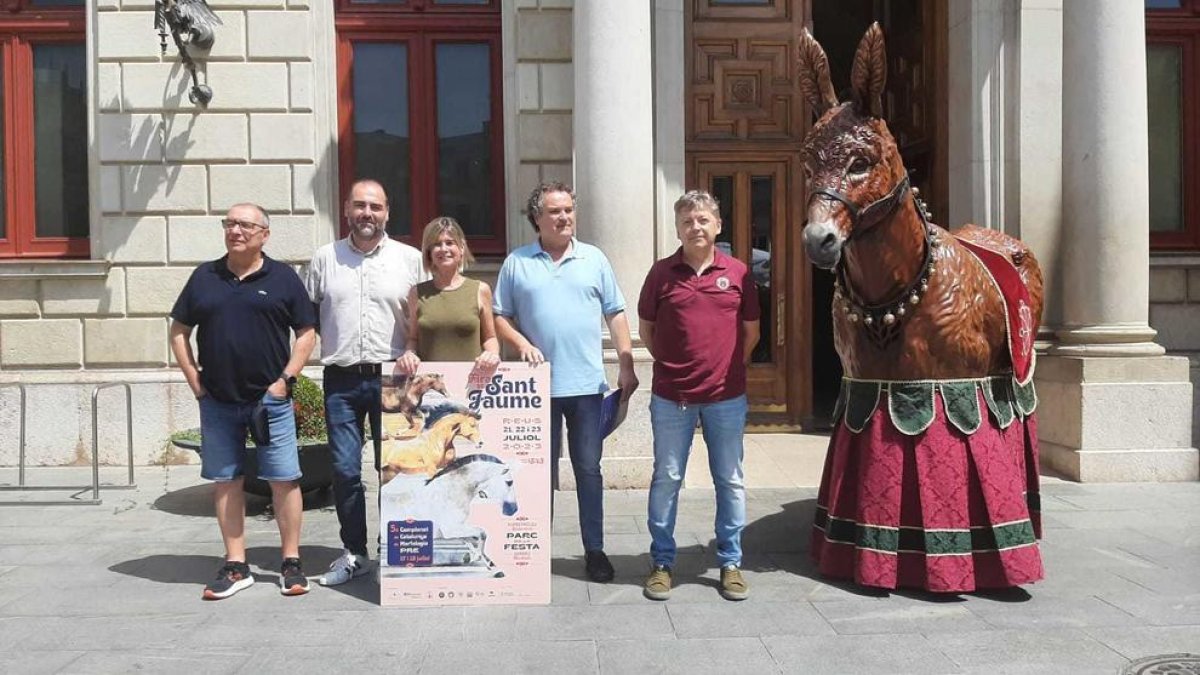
(445, 500)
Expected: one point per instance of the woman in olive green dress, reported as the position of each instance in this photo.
(449, 316)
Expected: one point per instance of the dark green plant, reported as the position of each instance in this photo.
(309, 403)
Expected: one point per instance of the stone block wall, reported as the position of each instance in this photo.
(164, 171)
(540, 61)
(1175, 314)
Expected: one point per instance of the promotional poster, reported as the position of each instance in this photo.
(464, 485)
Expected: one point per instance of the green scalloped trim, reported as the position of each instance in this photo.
(962, 405)
(911, 406)
(860, 404)
(910, 403)
(997, 392)
(1026, 398)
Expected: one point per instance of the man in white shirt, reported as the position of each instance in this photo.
(360, 285)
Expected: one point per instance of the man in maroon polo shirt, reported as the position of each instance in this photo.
(699, 318)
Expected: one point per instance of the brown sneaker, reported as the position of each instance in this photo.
(733, 586)
(658, 584)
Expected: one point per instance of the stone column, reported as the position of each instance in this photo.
(615, 181)
(1111, 407)
(1106, 190)
(614, 137)
(1005, 86)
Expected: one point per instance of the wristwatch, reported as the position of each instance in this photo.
(289, 381)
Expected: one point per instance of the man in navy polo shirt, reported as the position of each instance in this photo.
(699, 318)
(244, 307)
(548, 298)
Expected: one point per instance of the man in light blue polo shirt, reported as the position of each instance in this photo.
(548, 298)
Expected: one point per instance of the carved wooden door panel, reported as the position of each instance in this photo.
(742, 72)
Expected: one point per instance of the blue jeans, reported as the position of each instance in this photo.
(349, 399)
(724, 424)
(223, 440)
(582, 414)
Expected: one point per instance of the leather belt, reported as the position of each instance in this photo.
(357, 368)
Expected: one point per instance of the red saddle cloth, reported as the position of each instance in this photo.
(1017, 307)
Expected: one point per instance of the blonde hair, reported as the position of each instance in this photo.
(698, 200)
(433, 232)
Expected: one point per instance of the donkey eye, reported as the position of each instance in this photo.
(859, 165)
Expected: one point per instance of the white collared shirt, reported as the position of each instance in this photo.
(363, 299)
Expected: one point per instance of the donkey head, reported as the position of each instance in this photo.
(852, 166)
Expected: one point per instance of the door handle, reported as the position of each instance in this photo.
(780, 333)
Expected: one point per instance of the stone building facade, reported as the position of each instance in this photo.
(601, 95)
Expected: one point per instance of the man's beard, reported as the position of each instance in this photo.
(366, 230)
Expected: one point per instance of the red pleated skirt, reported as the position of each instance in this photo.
(941, 510)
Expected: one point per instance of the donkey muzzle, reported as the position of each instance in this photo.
(823, 243)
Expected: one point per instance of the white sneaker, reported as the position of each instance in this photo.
(346, 568)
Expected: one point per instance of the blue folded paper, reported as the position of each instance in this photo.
(612, 411)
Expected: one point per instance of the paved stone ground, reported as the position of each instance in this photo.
(116, 588)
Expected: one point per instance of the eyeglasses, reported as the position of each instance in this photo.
(246, 226)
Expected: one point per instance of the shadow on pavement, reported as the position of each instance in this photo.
(775, 542)
(1012, 595)
(167, 568)
(196, 501)
(361, 588)
(265, 561)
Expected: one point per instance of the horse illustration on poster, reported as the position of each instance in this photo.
(445, 500)
(434, 447)
(464, 486)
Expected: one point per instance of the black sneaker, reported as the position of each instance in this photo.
(599, 569)
(231, 578)
(291, 578)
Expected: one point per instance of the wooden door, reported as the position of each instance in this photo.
(745, 121)
(755, 217)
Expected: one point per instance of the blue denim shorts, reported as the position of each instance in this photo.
(223, 429)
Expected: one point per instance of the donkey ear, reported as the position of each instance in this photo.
(815, 84)
(869, 73)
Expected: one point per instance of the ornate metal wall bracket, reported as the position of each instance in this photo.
(190, 23)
